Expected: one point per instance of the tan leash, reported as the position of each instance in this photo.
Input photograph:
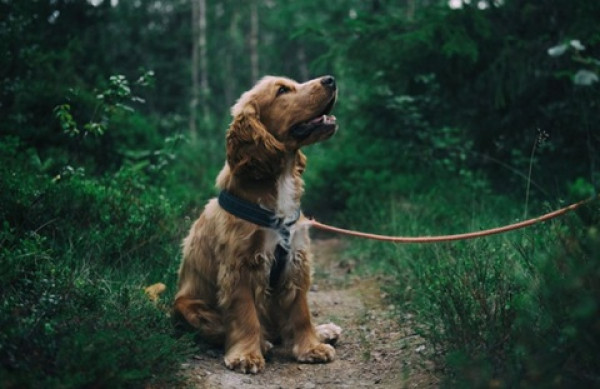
(449, 238)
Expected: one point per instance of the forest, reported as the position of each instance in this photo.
(454, 116)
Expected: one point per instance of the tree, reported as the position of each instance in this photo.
(254, 68)
(199, 65)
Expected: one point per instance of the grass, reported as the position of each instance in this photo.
(519, 309)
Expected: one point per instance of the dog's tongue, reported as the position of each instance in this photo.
(325, 119)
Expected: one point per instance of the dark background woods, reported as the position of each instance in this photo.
(113, 120)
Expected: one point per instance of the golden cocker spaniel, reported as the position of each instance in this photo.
(246, 266)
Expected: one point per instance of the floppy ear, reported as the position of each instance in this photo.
(251, 150)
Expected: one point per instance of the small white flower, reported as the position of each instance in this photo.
(585, 77)
(557, 51)
(576, 44)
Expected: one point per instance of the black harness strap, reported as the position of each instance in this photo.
(255, 214)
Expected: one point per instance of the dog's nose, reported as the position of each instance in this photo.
(329, 82)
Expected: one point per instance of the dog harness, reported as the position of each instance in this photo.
(260, 216)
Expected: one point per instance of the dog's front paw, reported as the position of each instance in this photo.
(319, 353)
(249, 363)
(328, 333)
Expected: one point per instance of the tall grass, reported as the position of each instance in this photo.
(516, 310)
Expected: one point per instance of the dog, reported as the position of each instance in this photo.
(246, 267)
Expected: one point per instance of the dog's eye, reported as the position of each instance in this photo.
(282, 89)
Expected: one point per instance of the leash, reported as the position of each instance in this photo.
(449, 238)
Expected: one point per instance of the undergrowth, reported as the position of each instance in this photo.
(515, 310)
(76, 251)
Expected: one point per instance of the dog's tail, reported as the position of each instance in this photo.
(153, 293)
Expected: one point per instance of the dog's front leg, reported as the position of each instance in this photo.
(243, 338)
(295, 314)
(307, 347)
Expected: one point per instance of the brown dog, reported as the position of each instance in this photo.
(246, 266)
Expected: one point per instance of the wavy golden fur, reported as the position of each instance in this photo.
(223, 285)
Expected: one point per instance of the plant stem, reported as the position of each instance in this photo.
(529, 179)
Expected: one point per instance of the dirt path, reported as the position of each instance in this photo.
(374, 350)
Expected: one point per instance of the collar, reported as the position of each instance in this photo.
(254, 213)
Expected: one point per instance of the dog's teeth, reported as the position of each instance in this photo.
(329, 119)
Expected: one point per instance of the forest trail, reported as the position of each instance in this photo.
(375, 350)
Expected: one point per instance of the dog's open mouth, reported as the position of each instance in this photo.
(323, 122)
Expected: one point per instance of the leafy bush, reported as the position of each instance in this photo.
(76, 253)
(71, 327)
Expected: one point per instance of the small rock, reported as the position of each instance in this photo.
(247, 380)
(314, 288)
(347, 265)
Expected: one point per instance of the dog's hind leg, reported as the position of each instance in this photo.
(199, 315)
(328, 333)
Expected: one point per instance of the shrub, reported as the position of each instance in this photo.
(520, 309)
(76, 251)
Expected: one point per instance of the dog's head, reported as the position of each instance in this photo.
(278, 116)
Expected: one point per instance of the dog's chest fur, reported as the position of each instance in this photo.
(287, 205)
(287, 202)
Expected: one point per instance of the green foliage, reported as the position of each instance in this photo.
(71, 327)
(92, 200)
(518, 309)
(76, 254)
(585, 76)
(68, 124)
(484, 73)
(426, 97)
(111, 99)
(438, 112)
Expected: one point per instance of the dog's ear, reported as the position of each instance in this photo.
(251, 150)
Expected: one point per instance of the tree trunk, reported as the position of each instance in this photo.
(254, 40)
(199, 66)
(235, 38)
(204, 89)
(195, 92)
(411, 8)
